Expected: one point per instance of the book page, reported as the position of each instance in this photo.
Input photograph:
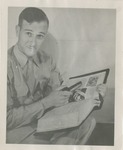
(70, 115)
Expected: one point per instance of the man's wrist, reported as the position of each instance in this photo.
(45, 103)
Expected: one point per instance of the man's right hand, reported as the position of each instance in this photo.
(56, 98)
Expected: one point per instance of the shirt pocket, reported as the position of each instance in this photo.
(43, 71)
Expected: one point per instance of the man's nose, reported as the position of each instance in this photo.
(33, 41)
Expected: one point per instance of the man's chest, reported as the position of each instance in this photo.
(30, 81)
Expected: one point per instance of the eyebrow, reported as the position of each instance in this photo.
(32, 31)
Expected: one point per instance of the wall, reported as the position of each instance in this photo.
(81, 40)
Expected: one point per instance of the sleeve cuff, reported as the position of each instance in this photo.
(42, 110)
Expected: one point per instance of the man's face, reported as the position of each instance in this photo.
(31, 36)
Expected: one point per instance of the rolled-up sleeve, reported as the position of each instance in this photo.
(22, 115)
(55, 77)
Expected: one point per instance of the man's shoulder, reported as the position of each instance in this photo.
(43, 56)
(10, 61)
(10, 57)
(10, 52)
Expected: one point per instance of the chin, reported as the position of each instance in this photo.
(30, 54)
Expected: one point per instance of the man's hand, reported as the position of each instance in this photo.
(101, 89)
(93, 102)
(56, 98)
(99, 95)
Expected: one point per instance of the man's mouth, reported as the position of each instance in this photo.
(31, 48)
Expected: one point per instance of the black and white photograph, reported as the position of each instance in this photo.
(47, 48)
(54, 56)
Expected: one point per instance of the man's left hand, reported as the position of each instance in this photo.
(101, 89)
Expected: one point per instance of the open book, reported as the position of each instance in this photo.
(77, 110)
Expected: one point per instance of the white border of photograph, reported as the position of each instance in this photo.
(110, 4)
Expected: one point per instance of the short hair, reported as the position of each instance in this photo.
(32, 14)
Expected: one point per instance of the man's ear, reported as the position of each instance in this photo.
(17, 28)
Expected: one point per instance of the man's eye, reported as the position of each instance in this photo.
(40, 36)
(29, 34)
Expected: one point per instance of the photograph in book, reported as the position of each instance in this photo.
(84, 86)
(60, 76)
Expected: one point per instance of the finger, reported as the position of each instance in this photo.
(64, 98)
(102, 92)
(96, 100)
(96, 105)
(75, 96)
(101, 88)
(96, 95)
(79, 98)
(66, 93)
(64, 101)
(61, 87)
(80, 92)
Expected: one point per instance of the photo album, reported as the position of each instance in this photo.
(83, 87)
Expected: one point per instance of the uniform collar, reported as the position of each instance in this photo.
(22, 59)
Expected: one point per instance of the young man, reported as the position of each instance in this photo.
(32, 78)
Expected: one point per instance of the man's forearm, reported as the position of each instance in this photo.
(23, 115)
